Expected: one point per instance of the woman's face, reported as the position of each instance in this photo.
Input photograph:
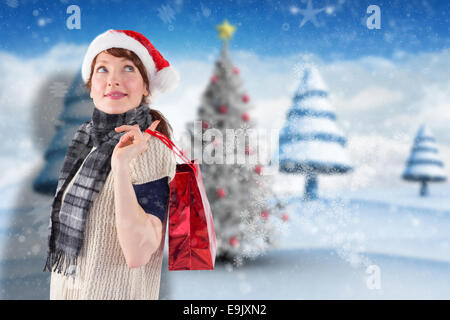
(116, 74)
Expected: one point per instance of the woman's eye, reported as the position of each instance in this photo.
(101, 67)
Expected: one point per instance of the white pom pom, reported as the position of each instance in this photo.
(166, 80)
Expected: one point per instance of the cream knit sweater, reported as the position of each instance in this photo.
(102, 272)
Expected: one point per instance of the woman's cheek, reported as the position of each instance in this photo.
(98, 84)
(133, 84)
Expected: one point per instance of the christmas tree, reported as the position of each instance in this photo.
(310, 142)
(77, 110)
(237, 189)
(423, 164)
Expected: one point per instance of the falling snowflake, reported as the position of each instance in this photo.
(42, 22)
(237, 170)
(12, 3)
(229, 267)
(35, 249)
(238, 261)
(245, 214)
(205, 10)
(166, 14)
(244, 128)
(250, 224)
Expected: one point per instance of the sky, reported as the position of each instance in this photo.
(384, 83)
(267, 27)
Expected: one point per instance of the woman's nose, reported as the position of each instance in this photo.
(113, 79)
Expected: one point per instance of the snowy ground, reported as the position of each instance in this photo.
(331, 248)
(313, 274)
(334, 248)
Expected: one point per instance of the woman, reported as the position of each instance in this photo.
(107, 226)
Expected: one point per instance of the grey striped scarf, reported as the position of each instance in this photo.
(68, 219)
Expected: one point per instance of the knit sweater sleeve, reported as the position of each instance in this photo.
(157, 162)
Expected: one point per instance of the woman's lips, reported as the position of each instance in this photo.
(116, 96)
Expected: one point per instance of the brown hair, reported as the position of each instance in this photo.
(163, 126)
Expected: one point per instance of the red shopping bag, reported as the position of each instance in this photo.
(192, 239)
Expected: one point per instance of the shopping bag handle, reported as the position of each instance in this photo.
(171, 145)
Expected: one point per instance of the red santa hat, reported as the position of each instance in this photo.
(162, 76)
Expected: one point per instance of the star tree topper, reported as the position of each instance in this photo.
(226, 30)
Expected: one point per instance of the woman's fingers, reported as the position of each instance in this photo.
(126, 136)
(133, 132)
(154, 125)
(126, 127)
(125, 140)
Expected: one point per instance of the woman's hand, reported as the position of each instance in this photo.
(131, 144)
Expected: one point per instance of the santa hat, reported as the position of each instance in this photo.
(162, 77)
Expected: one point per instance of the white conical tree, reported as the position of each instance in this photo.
(311, 143)
(423, 164)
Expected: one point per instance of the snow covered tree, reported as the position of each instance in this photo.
(423, 164)
(77, 109)
(245, 221)
(311, 143)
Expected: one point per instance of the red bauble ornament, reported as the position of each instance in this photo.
(205, 124)
(236, 70)
(285, 217)
(234, 242)
(223, 109)
(265, 214)
(221, 193)
(214, 79)
(245, 98)
(258, 168)
(246, 117)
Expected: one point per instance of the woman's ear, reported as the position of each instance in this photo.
(146, 92)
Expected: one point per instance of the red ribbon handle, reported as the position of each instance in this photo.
(171, 145)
